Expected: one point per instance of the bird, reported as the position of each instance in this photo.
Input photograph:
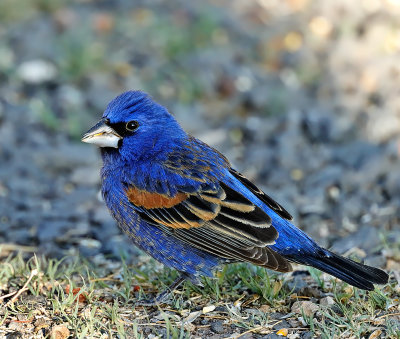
(180, 201)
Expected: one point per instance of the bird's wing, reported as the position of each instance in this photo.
(217, 219)
(271, 203)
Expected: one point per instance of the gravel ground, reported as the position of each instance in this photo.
(301, 96)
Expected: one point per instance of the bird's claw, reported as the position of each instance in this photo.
(153, 302)
(163, 297)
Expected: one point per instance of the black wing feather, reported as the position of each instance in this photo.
(277, 208)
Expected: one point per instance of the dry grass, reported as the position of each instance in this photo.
(47, 297)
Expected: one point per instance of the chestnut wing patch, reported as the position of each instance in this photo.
(277, 208)
(145, 199)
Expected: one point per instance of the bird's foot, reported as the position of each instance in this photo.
(163, 296)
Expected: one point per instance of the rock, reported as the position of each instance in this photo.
(295, 323)
(277, 315)
(7, 58)
(21, 236)
(101, 215)
(382, 126)
(271, 336)
(393, 265)
(70, 96)
(317, 128)
(207, 309)
(67, 156)
(89, 247)
(336, 308)
(296, 284)
(217, 327)
(37, 71)
(355, 154)
(265, 308)
(49, 230)
(306, 307)
(59, 332)
(307, 335)
(310, 292)
(14, 335)
(221, 309)
(119, 245)
(366, 238)
(327, 301)
(324, 178)
(86, 176)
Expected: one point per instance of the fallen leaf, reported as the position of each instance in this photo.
(208, 309)
(327, 301)
(375, 334)
(41, 323)
(392, 265)
(82, 296)
(59, 332)
(277, 287)
(306, 307)
(265, 308)
(238, 302)
(192, 317)
(283, 332)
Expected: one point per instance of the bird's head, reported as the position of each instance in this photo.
(136, 127)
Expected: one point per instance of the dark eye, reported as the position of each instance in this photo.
(132, 125)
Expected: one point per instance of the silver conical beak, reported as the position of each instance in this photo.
(102, 135)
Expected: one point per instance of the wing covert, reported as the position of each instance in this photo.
(220, 221)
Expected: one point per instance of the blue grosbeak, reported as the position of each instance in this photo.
(181, 202)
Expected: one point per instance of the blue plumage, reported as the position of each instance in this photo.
(181, 202)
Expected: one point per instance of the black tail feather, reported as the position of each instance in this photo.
(354, 273)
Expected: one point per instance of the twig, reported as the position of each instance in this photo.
(299, 297)
(7, 295)
(9, 247)
(250, 331)
(387, 315)
(24, 288)
(267, 327)
(105, 279)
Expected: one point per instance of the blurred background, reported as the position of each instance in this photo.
(302, 96)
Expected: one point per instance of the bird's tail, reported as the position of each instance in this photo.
(354, 273)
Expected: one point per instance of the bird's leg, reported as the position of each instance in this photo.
(163, 296)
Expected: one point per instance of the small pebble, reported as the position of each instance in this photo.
(217, 327)
(327, 301)
(37, 71)
(208, 309)
(306, 307)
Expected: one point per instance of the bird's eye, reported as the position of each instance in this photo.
(132, 125)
